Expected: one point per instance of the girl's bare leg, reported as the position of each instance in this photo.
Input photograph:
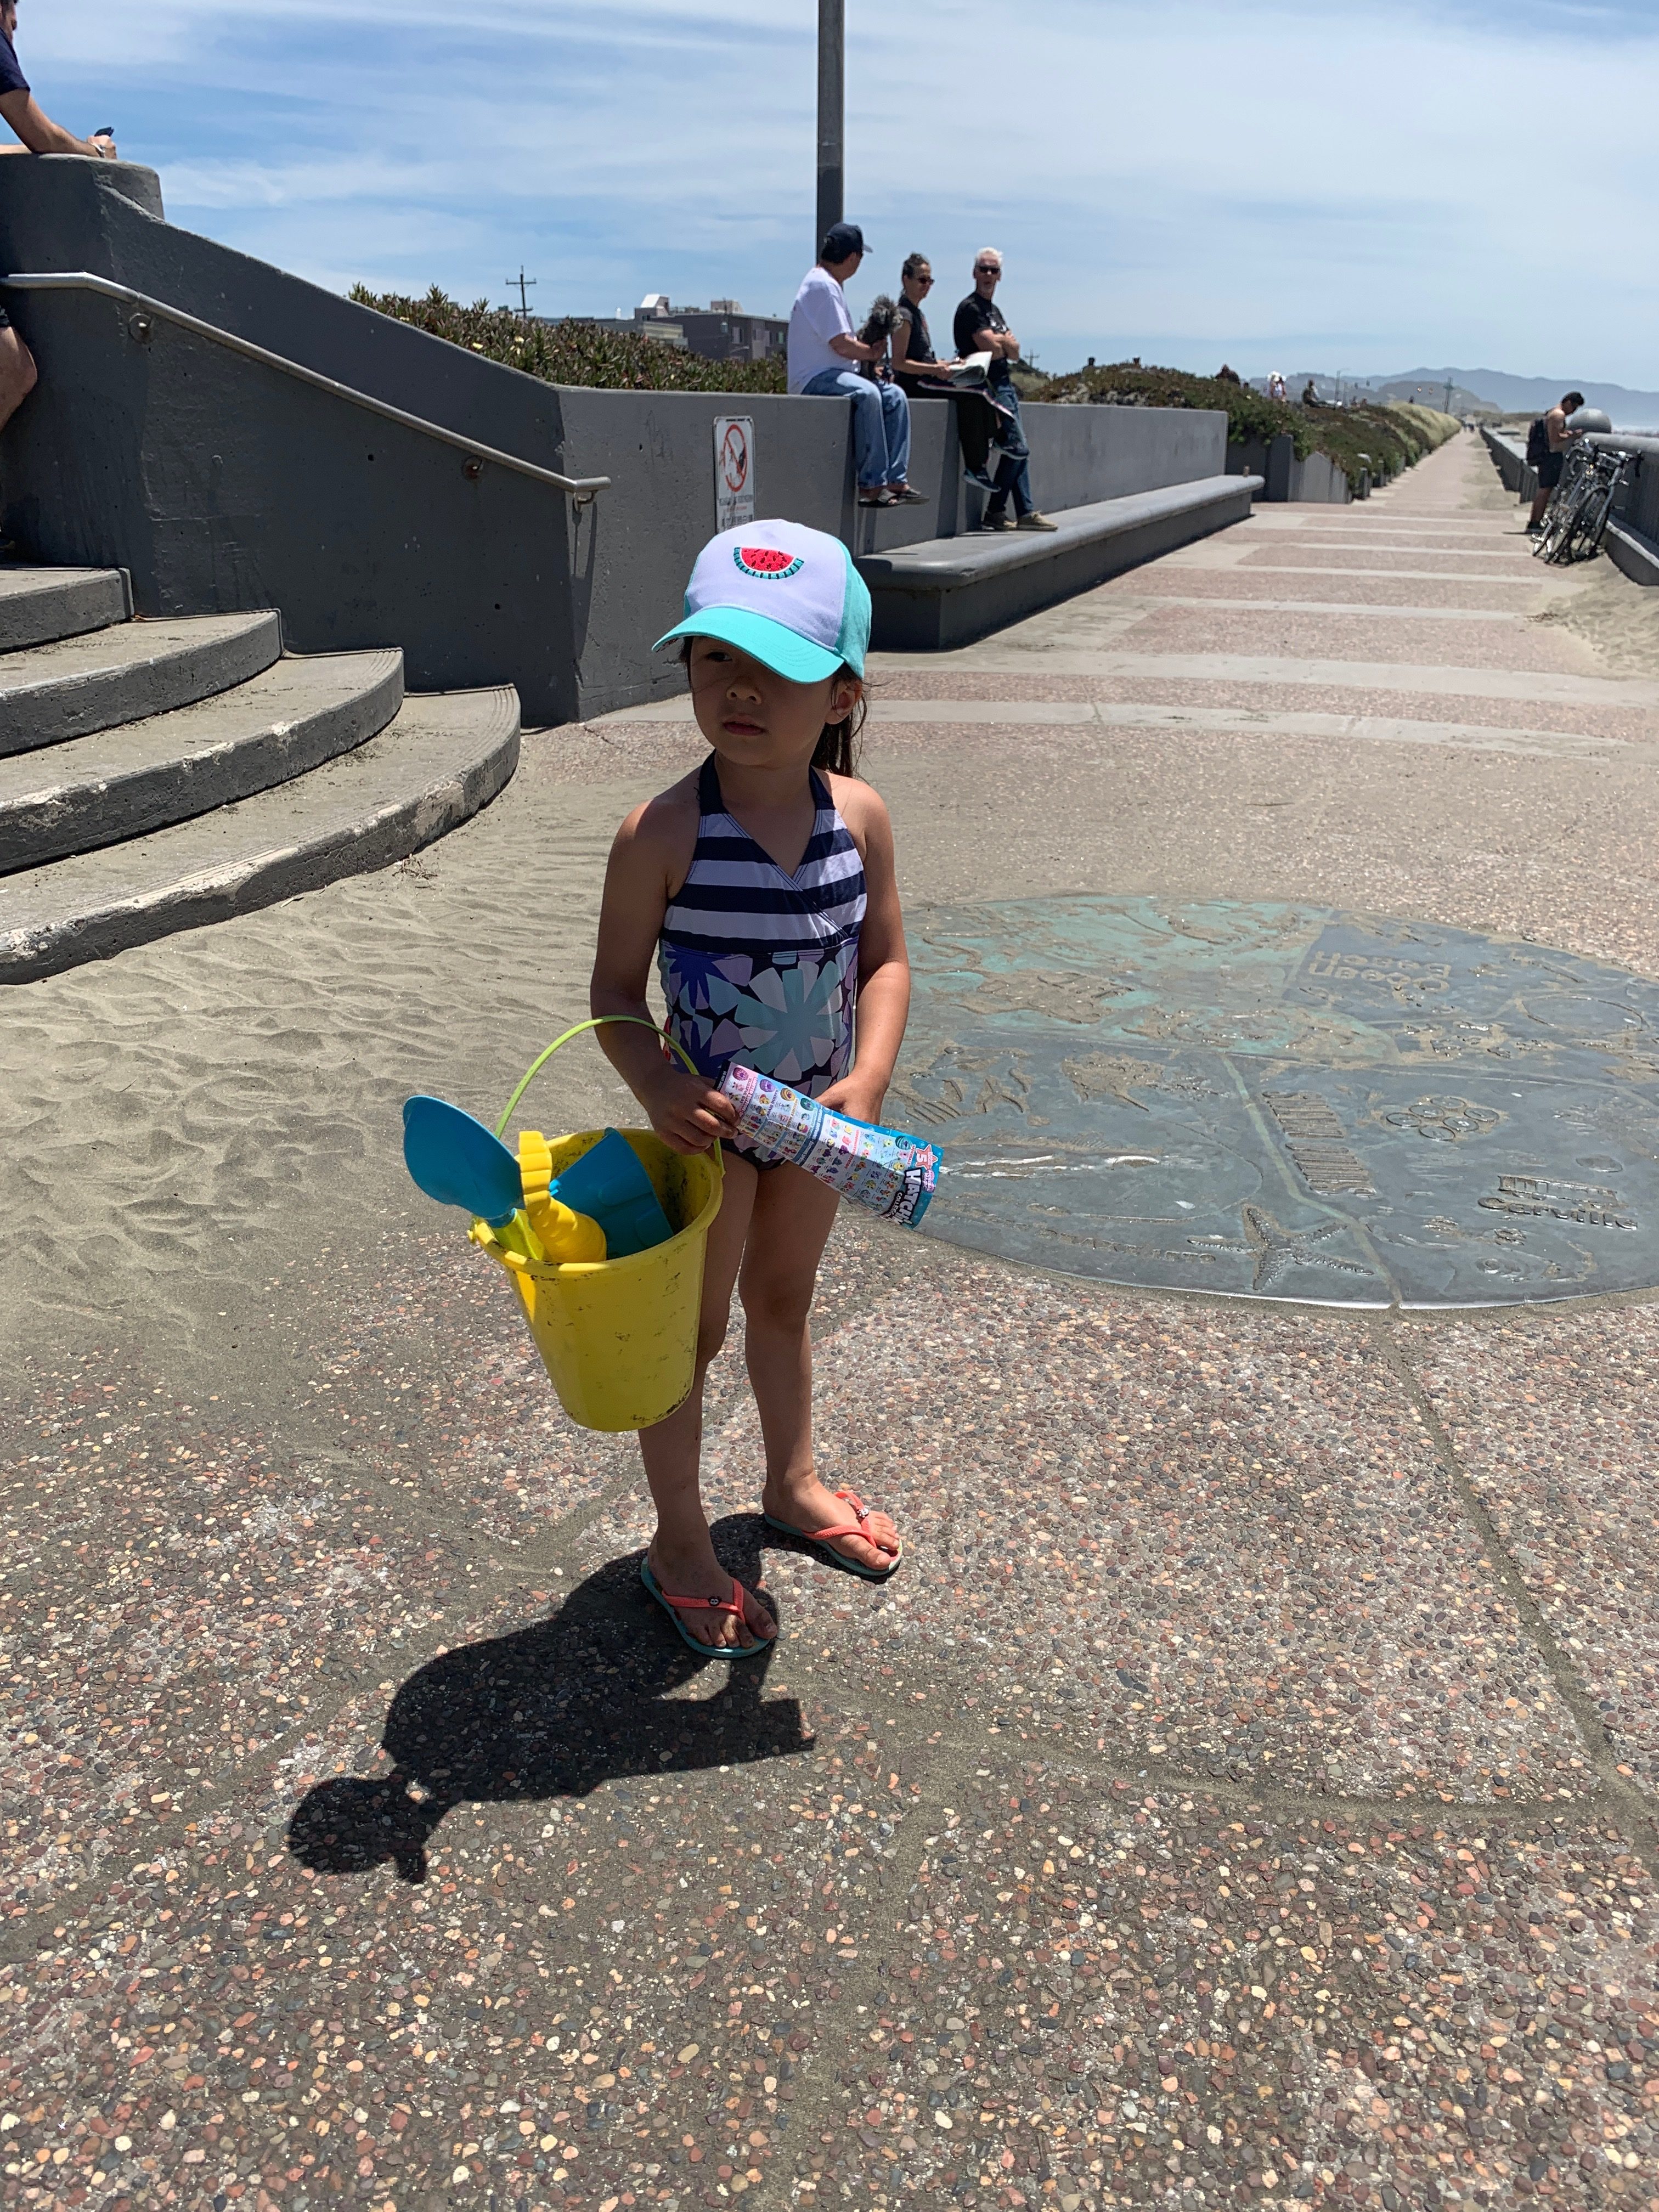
(682, 1554)
(793, 1216)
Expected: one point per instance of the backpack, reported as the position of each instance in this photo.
(1538, 443)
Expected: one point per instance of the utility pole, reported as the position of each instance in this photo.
(832, 115)
(527, 285)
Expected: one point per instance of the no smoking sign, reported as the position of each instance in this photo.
(734, 471)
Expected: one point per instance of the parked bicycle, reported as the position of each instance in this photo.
(1579, 506)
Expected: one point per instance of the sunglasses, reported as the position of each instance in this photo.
(987, 268)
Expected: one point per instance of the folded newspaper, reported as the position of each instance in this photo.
(973, 369)
(892, 1174)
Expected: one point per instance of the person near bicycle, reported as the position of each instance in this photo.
(1557, 439)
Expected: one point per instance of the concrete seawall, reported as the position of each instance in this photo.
(223, 484)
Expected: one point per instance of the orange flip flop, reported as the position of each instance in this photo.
(673, 1607)
(822, 1539)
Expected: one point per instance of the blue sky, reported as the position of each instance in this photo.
(1361, 187)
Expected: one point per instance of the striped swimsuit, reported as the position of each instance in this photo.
(760, 967)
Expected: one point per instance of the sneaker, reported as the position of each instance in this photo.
(981, 477)
(1035, 521)
(997, 518)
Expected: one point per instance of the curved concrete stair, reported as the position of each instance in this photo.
(73, 686)
(443, 757)
(37, 604)
(128, 781)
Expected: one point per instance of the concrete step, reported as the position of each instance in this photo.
(126, 782)
(445, 755)
(39, 605)
(49, 693)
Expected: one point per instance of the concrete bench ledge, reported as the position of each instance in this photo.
(1627, 548)
(949, 591)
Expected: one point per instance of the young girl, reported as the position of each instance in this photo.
(764, 884)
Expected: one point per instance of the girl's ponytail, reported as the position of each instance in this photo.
(837, 750)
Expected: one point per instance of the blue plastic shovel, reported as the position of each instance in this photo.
(456, 1160)
(609, 1184)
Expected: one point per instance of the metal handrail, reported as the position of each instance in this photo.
(580, 488)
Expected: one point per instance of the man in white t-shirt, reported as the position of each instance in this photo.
(823, 351)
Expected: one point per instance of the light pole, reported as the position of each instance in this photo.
(832, 115)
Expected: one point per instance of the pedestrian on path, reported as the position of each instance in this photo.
(765, 884)
(824, 355)
(980, 327)
(39, 134)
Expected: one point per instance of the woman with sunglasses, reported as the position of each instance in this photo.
(921, 375)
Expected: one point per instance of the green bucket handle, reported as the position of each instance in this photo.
(598, 1022)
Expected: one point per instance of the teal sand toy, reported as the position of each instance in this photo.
(456, 1160)
(608, 1184)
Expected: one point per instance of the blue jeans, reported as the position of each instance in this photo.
(881, 423)
(1014, 468)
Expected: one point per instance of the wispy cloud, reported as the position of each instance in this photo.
(1363, 187)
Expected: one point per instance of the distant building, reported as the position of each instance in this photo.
(719, 331)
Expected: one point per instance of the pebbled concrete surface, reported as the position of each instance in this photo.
(1243, 1797)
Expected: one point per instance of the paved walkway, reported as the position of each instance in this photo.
(1244, 1796)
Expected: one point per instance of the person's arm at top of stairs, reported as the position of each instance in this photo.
(19, 108)
(40, 134)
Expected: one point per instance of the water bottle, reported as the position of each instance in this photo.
(891, 1172)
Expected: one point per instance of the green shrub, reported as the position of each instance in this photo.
(1393, 436)
(572, 353)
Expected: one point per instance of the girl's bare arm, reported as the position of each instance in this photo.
(648, 863)
(884, 963)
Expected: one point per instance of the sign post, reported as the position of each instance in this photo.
(734, 471)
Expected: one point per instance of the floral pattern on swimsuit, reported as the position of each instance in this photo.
(762, 967)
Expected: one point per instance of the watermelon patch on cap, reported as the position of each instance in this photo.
(769, 564)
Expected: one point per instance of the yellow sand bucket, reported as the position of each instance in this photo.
(619, 1337)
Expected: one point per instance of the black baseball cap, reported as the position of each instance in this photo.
(841, 241)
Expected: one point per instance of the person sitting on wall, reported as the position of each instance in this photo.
(980, 327)
(1553, 458)
(39, 134)
(924, 375)
(823, 356)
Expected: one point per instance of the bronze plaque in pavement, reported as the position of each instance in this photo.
(1277, 1100)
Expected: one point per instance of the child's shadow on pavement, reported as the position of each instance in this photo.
(550, 1710)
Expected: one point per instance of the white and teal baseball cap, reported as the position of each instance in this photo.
(787, 596)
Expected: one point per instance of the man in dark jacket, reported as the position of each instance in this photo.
(39, 134)
(980, 327)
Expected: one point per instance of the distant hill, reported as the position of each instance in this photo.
(1518, 395)
(1429, 390)
(1460, 400)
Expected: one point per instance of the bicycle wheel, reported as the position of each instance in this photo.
(1592, 521)
(1559, 522)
